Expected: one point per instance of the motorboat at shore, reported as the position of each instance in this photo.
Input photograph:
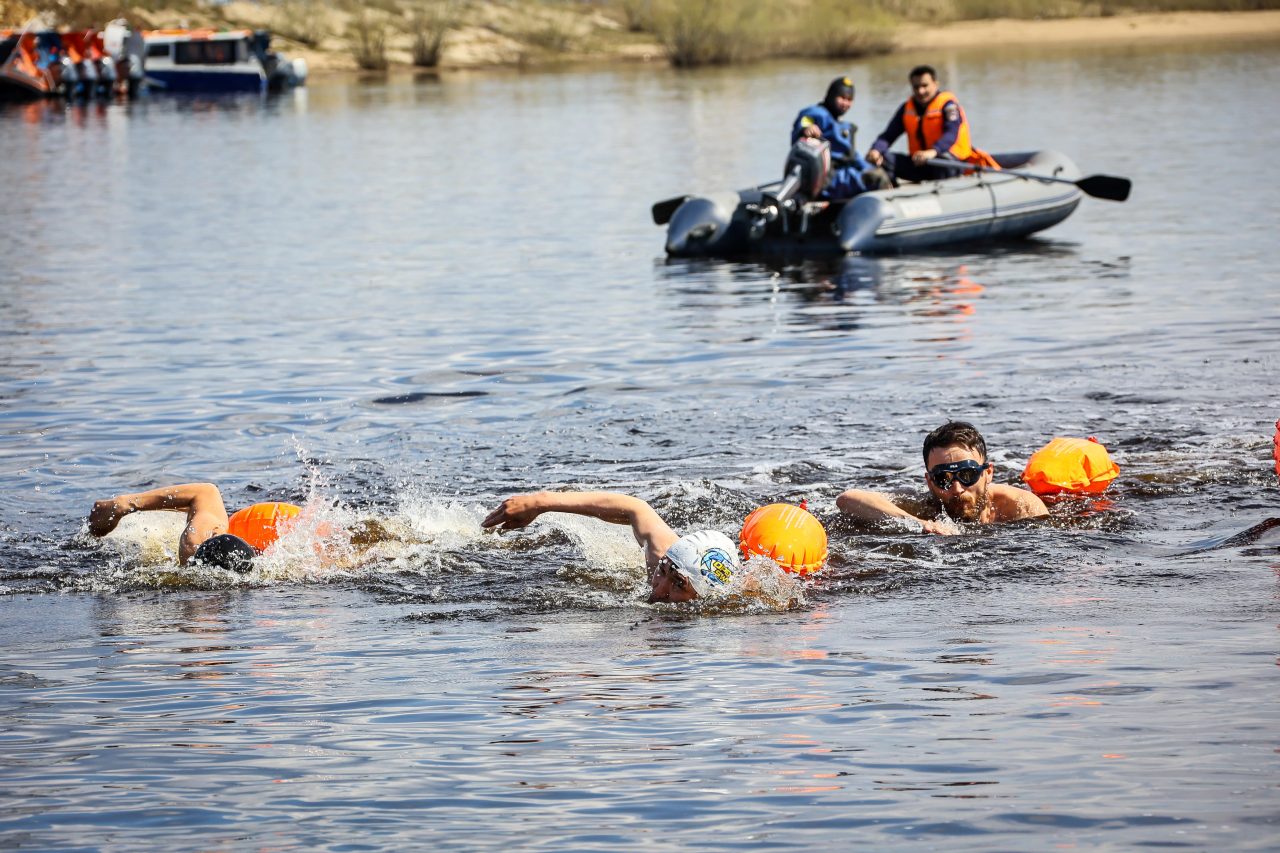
(1031, 192)
(218, 61)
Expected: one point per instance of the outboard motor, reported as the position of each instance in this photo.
(805, 176)
(807, 171)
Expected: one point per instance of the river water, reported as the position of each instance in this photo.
(398, 301)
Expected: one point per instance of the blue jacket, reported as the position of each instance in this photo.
(847, 164)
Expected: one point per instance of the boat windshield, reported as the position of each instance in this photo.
(221, 52)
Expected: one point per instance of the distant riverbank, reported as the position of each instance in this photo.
(600, 39)
(1168, 26)
(462, 34)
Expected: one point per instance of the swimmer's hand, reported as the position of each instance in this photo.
(515, 512)
(940, 527)
(105, 515)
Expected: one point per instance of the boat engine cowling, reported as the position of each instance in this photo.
(807, 171)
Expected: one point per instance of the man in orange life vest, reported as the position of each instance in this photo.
(209, 537)
(935, 126)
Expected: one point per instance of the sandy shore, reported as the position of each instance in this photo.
(1173, 26)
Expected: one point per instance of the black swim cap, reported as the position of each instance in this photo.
(226, 552)
(839, 86)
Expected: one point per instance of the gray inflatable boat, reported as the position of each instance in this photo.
(787, 217)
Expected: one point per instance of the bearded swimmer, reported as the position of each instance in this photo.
(958, 477)
(205, 539)
(681, 568)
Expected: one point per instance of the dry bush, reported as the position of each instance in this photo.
(302, 21)
(429, 23)
(979, 9)
(544, 26)
(367, 39)
(841, 29)
(15, 12)
(711, 32)
(79, 14)
(637, 15)
(550, 37)
(707, 32)
(950, 10)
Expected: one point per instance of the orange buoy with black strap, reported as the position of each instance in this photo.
(262, 524)
(788, 535)
(1074, 465)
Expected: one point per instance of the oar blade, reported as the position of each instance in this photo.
(1109, 187)
(663, 210)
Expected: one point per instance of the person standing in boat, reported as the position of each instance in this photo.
(958, 477)
(850, 173)
(935, 125)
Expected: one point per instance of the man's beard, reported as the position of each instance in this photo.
(967, 506)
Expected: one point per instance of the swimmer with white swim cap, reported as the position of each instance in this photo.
(681, 568)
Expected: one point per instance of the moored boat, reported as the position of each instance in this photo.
(36, 63)
(1038, 192)
(218, 61)
(26, 73)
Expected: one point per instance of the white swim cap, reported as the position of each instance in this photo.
(707, 559)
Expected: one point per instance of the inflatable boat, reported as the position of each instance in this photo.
(1032, 191)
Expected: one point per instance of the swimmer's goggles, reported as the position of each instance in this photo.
(967, 472)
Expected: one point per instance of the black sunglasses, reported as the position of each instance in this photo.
(967, 472)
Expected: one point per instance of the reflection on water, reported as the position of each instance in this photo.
(398, 300)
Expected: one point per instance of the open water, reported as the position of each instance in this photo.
(399, 301)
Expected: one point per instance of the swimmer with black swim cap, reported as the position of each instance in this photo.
(205, 539)
(226, 552)
(681, 568)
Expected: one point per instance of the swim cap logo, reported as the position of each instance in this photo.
(716, 566)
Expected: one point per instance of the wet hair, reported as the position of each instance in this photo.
(226, 552)
(921, 70)
(953, 433)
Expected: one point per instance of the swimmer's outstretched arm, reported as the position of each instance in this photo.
(202, 502)
(873, 506)
(651, 532)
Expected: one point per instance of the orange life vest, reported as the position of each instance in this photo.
(930, 126)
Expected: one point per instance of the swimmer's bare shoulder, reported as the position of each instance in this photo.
(1012, 503)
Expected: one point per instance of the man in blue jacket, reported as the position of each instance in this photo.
(850, 172)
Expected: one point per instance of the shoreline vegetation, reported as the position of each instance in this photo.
(376, 35)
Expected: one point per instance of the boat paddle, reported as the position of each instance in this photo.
(1110, 187)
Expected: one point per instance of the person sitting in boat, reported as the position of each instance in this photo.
(210, 537)
(958, 477)
(850, 173)
(681, 568)
(935, 125)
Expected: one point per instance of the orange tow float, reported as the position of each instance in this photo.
(1073, 465)
(788, 535)
(262, 524)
